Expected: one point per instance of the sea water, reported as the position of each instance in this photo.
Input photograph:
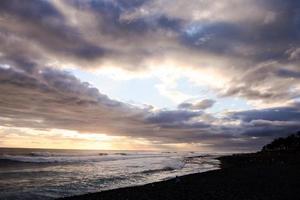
(49, 174)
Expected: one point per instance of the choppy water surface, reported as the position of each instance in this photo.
(48, 174)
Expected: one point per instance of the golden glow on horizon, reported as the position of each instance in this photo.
(66, 139)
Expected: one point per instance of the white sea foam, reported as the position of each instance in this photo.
(47, 157)
(174, 163)
(66, 159)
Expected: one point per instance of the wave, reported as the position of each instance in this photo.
(151, 171)
(63, 154)
(122, 154)
(53, 154)
(45, 157)
(170, 164)
(160, 162)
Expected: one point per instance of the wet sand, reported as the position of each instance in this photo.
(246, 176)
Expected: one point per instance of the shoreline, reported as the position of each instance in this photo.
(242, 176)
(97, 195)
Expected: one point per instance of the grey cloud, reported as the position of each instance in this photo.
(201, 105)
(43, 31)
(256, 44)
(288, 73)
(45, 98)
(291, 113)
(133, 34)
(50, 98)
(172, 116)
(268, 123)
(269, 82)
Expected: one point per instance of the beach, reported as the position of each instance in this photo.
(246, 176)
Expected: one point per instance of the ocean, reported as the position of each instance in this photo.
(49, 174)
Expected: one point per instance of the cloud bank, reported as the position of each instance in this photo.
(255, 49)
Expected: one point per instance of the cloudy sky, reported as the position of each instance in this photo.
(149, 74)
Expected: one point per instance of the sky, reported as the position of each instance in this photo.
(203, 75)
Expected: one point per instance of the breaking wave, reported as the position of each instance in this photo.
(46, 157)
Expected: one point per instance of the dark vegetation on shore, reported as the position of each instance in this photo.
(288, 144)
(272, 173)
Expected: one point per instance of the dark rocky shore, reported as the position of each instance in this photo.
(264, 175)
